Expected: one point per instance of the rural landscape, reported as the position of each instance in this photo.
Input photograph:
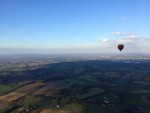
(74, 84)
(74, 56)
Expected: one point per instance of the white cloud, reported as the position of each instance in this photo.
(125, 41)
(145, 38)
(105, 40)
(132, 36)
(118, 33)
(128, 40)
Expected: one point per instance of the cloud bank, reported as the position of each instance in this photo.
(132, 42)
(118, 33)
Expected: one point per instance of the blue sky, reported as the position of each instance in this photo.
(74, 25)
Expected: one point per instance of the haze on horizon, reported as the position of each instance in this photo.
(74, 26)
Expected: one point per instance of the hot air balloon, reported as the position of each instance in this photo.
(120, 47)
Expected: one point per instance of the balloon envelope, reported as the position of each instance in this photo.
(120, 47)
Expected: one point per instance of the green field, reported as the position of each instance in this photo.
(30, 101)
(92, 92)
(6, 88)
(84, 80)
(90, 108)
(136, 101)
